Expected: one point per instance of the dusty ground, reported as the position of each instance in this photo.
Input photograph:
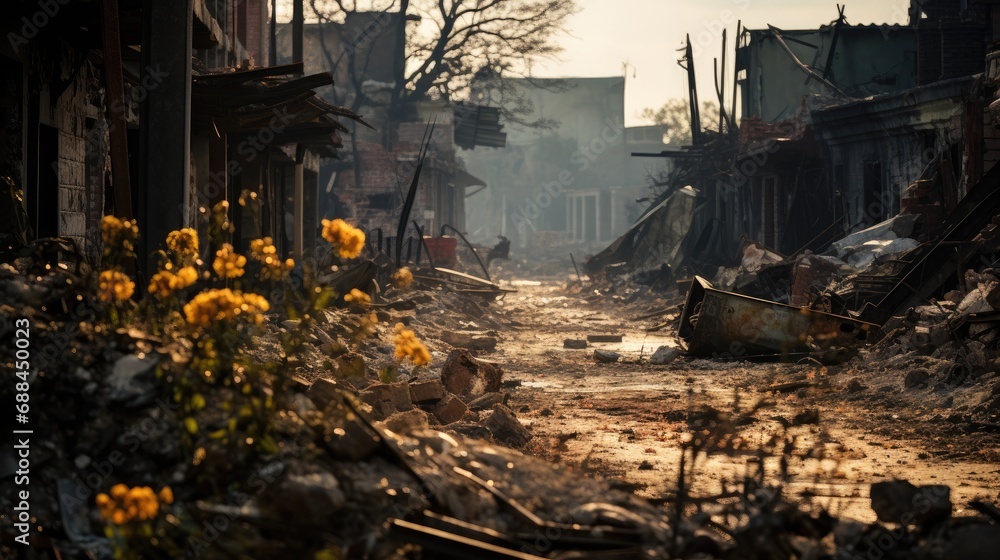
(625, 420)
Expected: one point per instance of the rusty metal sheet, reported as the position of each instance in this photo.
(726, 325)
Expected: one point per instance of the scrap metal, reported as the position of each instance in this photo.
(716, 323)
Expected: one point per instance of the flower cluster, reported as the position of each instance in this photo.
(264, 251)
(115, 286)
(402, 278)
(348, 240)
(367, 326)
(357, 296)
(408, 346)
(183, 243)
(126, 504)
(224, 305)
(228, 263)
(165, 282)
(219, 225)
(119, 235)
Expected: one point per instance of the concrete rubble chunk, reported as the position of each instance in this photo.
(386, 398)
(470, 341)
(468, 377)
(664, 355)
(426, 391)
(917, 379)
(470, 430)
(407, 422)
(308, 498)
(322, 391)
(897, 227)
(899, 501)
(864, 255)
(606, 356)
(450, 409)
(757, 256)
(574, 343)
(486, 401)
(976, 301)
(855, 385)
(345, 434)
(506, 428)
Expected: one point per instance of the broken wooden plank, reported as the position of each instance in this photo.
(604, 338)
(450, 544)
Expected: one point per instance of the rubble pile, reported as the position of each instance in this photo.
(349, 446)
(361, 459)
(803, 279)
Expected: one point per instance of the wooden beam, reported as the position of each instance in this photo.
(801, 65)
(114, 83)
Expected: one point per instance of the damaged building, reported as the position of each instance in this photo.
(874, 132)
(367, 183)
(565, 177)
(158, 111)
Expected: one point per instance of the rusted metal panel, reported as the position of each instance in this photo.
(722, 324)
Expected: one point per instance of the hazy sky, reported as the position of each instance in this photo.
(647, 33)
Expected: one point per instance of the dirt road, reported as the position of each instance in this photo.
(625, 420)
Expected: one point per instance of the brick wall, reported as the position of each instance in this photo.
(69, 119)
(252, 21)
(81, 198)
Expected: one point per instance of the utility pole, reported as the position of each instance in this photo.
(298, 201)
(692, 94)
(298, 25)
(272, 50)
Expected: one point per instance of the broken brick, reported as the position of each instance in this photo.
(426, 391)
(322, 392)
(387, 398)
(486, 401)
(450, 409)
(466, 376)
(409, 421)
(606, 356)
(506, 428)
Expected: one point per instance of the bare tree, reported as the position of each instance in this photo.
(448, 42)
(676, 119)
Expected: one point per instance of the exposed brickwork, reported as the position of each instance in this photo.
(69, 114)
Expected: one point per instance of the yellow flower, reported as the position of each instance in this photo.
(228, 264)
(118, 234)
(183, 243)
(166, 495)
(224, 305)
(115, 286)
(118, 491)
(130, 504)
(164, 283)
(357, 296)
(402, 278)
(408, 346)
(264, 251)
(186, 276)
(348, 240)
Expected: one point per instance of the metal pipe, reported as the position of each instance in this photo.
(474, 253)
